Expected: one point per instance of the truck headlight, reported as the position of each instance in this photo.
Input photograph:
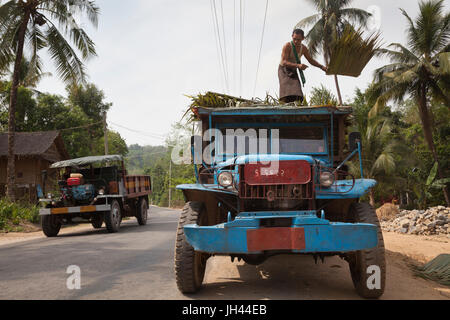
(326, 179)
(225, 179)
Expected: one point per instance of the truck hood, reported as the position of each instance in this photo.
(252, 158)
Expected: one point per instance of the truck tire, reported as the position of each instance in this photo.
(361, 261)
(50, 225)
(97, 220)
(142, 212)
(189, 265)
(113, 217)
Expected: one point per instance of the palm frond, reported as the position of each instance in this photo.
(315, 38)
(219, 100)
(69, 67)
(308, 21)
(351, 53)
(356, 16)
(384, 163)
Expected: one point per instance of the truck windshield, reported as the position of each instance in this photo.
(309, 140)
(301, 140)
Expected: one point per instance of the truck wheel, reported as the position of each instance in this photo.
(97, 220)
(360, 262)
(50, 225)
(113, 217)
(189, 264)
(142, 212)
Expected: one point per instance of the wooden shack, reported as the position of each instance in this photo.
(35, 152)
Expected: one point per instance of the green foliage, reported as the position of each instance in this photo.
(423, 65)
(406, 169)
(140, 158)
(47, 112)
(13, 214)
(321, 96)
(43, 17)
(219, 100)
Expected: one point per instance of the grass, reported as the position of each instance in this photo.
(14, 215)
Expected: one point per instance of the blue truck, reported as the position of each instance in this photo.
(275, 180)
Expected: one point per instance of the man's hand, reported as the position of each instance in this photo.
(302, 66)
(324, 68)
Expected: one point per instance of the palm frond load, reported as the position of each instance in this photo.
(219, 100)
(351, 53)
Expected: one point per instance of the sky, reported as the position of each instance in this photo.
(152, 53)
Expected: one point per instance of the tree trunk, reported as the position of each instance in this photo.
(11, 168)
(428, 133)
(327, 55)
(338, 90)
(372, 198)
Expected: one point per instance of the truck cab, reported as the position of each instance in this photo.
(274, 180)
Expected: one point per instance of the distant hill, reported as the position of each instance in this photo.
(140, 158)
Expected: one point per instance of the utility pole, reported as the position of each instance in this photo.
(105, 132)
(151, 187)
(170, 182)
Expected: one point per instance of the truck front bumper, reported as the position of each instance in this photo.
(69, 210)
(307, 234)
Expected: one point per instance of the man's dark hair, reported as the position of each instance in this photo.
(299, 31)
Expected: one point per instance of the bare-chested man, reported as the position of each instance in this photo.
(290, 88)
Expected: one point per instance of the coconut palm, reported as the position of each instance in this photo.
(35, 25)
(29, 76)
(380, 147)
(329, 24)
(420, 70)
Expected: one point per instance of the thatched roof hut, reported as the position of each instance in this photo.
(35, 151)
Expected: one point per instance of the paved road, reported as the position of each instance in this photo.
(137, 263)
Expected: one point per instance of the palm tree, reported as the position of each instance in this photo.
(420, 70)
(322, 96)
(328, 26)
(29, 77)
(380, 147)
(37, 24)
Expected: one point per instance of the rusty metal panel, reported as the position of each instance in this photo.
(275, 239)
(288, 172)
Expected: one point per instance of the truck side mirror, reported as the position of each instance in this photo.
(353, 140)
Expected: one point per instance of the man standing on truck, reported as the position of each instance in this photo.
(290, 87)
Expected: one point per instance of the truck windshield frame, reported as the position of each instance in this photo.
(284, 142)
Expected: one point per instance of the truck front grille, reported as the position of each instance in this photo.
(276, 192)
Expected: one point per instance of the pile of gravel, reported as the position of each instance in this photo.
(433, 221)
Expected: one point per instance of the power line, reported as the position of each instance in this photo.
(224, 40)
(260, 48)
(218, 52)
(241, 27)
(217, 32)
(149, 134)
(234, 45)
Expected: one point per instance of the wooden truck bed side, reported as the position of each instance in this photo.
(137, 186)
